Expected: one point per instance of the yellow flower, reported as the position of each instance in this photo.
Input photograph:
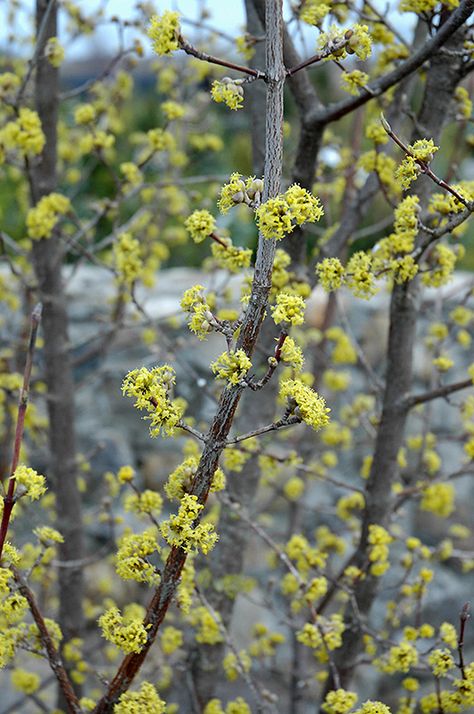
(42, 218)
(200, 225)
(228, 91)
(127, 633)
(164, 32)
(232, 366)
(145, 701)
(24, 134)
(54, 52)
(181, 529)
(289, 308)
(309, 404)
(438, 498)
(29, 483)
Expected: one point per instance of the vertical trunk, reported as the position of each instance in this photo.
(47, 259)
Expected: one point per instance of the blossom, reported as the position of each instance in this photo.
(231, 193)
(128, 259)
(181, 530)
(164, 32)
(303, 206)
(32, 484)
(232, 366)
(438, 498)
(54, 52)
(26, 682)
(230, 256)
(441, 661)
(339, 701)
(132, 558)
(24, 134)
(145, 701)
(379, 540)
(310, 405)
(42, 218)
(353, 81)
(228, 91)
(200, 225)
(273, 218)
(289, 308)
(330, 272)
(151, 389)
(85, 114)
(127, 633)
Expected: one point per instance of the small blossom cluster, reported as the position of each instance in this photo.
(128, 259)
(279, 216)
(228, 91)
(132, 559)
(164, 32)
(24, 134)
(42, 218)
(181, 530)
(200, 225)
(379, 540)
(151, 389)
(128, 633)
(231, 257)
(289, 309)
(410, 168)
(238, 190)
(201, 320)
(308, 404)
(146, 699)
(337, 43)
(232, 366)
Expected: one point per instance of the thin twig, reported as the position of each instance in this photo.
(9, 497)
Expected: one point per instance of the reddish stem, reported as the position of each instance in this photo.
(9, 497)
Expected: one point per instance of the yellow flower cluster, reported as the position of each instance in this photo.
(292, 354)
(201, 320)
(360, 278)
(133, 175)
(278, 216)
(128, 633)
(164, 31)
(24, 134)
(181, 530)
(230, 256)
(200, 225)
(231, 366)
(151, 389)
(308, 404)
(131, 560)
(173, 110)
(209, 632)
(236, 706)
(26, 682)
(409, 169)
(313, 12)
(438, 498)
(42, 218)
(355, 40)
(179, 481)
(85, 114)
(29, 483)
(326, 633)
(128, 259)
(339, 701)
(228, 91)
(379, 540)
(171, 640)
(234, 665)
(238, 190)
(54, 52)
(441, 265)
(146, 502)
(145, 701)
(353, 81)
(441, 661)
(289, 309)
(399, 658)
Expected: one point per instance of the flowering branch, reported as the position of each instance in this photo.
(9, 497)
(424, 165)
(52, 653)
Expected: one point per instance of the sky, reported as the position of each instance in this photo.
(226, 15)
